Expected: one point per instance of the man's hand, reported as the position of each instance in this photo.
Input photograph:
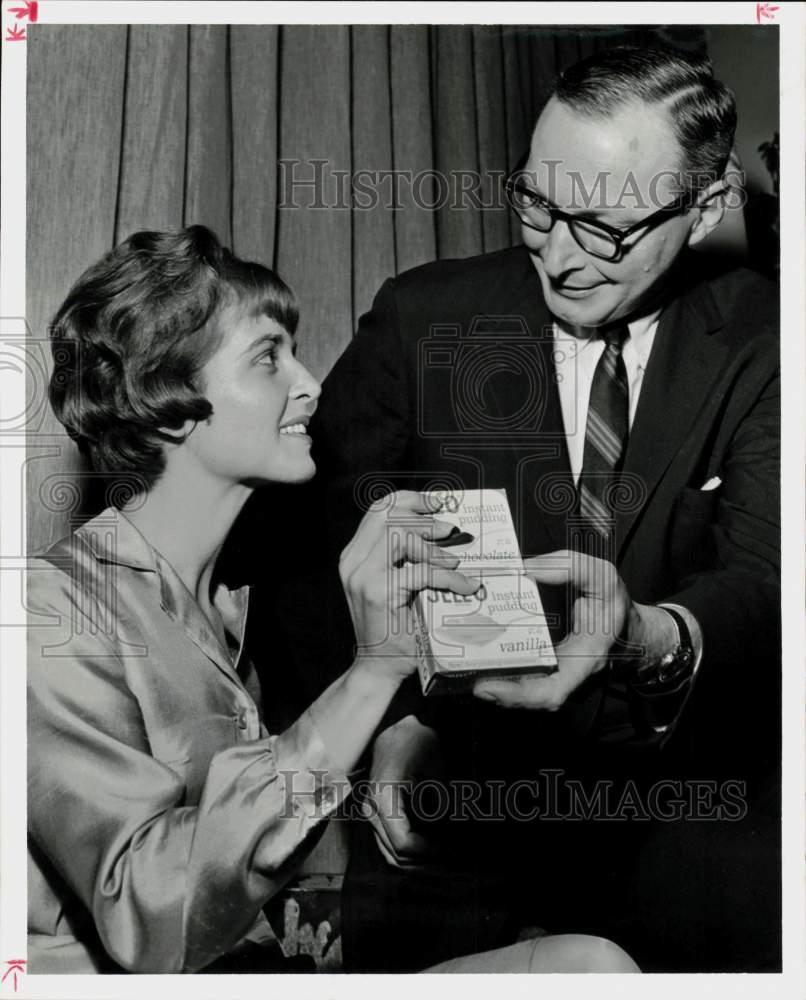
(403, 754)
(600, 612)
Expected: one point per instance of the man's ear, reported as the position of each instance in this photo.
(710, 208)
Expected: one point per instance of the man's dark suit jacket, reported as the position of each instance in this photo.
(450, 382)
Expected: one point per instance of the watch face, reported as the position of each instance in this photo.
(673, 665)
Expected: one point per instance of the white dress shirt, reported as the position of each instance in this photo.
(576, 355)
(577, 352)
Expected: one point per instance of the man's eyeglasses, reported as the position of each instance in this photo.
(596, 238)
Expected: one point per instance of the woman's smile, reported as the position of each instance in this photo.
(297, 429)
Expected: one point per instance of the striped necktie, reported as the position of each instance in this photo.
(606, 433)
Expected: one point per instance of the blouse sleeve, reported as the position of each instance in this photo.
(170, 887)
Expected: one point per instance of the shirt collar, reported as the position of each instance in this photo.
(642, 333)
(642, 330)
(112, 538)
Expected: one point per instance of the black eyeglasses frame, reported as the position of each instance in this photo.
(680, 205)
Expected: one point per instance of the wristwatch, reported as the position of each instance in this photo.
(674, 668)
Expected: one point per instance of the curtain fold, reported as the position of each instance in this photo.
(459, 230)
(73, 139)
(373, 232)
(159, 126)
(152, 170)
(314, 242)
(208, 164)
(255, 92)
(412, 143)
(492, 140)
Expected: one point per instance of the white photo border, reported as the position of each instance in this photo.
(790, 18)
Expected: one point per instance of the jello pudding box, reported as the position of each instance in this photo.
(498, 631)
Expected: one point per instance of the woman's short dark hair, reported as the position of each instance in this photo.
(133, 334)
(701, 110)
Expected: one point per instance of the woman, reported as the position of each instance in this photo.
(162, 814)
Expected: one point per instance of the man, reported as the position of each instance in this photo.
(601, 356)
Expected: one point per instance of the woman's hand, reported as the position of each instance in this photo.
(393, 555)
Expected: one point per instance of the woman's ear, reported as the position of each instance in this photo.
(710, 209)
(174, 435)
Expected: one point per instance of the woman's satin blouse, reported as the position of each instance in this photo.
(162, 815)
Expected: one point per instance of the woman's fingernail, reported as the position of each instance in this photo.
(450, 559)
(458, 537)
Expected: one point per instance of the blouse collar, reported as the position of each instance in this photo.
(112, 538)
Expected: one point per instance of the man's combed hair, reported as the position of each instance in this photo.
(702, 110)
(133, 334)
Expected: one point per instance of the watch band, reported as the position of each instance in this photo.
(673, 668)
(684, 636)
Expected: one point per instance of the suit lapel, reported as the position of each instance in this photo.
(536, 457)
(683, 366)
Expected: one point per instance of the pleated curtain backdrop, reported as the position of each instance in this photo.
(156, 127)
